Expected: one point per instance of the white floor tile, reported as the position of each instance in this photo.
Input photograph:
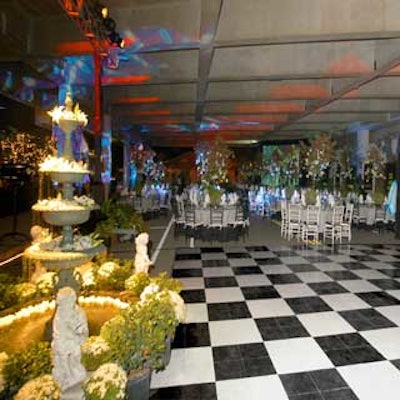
(276, 269)
(313, 277)
(325, 323)
(262, 254)
(385, 258)
(242, 262)
(255, 388)
(196, 312)
(213, 256)
(252, 280)
(369, 274)
(394, 293)
(187, 366)
(296, 355)
(339, 258)
(223, 295)
(192, 283)
(231, 332)
(294, 290)
(378, 265)
(294, 260)
(386, 341)
(184, 264)
(329, 266)
(265, 308)
(359, 286)
(344, 301)
(391, 312)
(209, 272)
(373, 381)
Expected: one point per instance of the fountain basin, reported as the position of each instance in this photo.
(68, 176)
(66, 217)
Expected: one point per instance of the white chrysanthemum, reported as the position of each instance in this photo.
(149, 290)
(60, 164)
(42, 388)
(107, 268)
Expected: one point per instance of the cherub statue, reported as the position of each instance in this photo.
(70, 330)
(142, 260)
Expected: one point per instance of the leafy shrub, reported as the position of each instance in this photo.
(95, 352)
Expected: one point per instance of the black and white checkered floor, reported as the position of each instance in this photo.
(284, 323)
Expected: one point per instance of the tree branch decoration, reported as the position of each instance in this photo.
(374, 166)
(317, 157)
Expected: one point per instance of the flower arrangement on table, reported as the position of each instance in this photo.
(317, 157)
(374, 166)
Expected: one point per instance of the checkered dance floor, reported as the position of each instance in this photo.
(284, 323)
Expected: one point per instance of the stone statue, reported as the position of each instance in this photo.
(142, 260)
(70, 330)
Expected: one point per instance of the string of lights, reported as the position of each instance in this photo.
(94, 20)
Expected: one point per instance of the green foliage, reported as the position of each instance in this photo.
(378, 198)
(115, 279)
(137, 282)
(137, 335)
(167, 283)
(29, 363)
(95, 352)
(215, 195)
(8, 296)
(311, 196)
(118, 216)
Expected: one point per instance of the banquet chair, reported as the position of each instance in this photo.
(241, 224)
(284, 219)
(380, 219)
(294, 221)
(332, 229)
(346, 225)
(310, 228)
(216, 222)
(191, 226)
(359, 218)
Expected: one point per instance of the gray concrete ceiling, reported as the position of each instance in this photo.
(247, 70)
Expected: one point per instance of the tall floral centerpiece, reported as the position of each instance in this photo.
(212, 162)
(374, 166)
(317, 156)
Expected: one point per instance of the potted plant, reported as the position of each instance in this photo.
(41, 388)
(108, 382)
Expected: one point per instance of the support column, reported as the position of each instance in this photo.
(397, 177)
(127, 160)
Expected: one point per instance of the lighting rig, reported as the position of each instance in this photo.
(94, 20)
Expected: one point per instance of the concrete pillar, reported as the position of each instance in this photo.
(361, 150)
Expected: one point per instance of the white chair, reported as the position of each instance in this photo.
(332, 228)
(284, 219)
(294, 221)
(346, 225)
(310, 229)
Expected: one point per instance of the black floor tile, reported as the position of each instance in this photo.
(342, 275)
(279, 279)
(180, 257)
(302, 268)
(393, 273)
(191, 335)
(281, 328)
(238, 255)
(378, 299)
(259, 292)
(239, 361)
(193, 296)
(328, 379)
(301, 305)
(268, 261)
(224, 281)
(317, 259)
(367, 319)
(385, 284)
(307, 396)
(285, 253)
(256, 248)
(363, 258)
(204, 391)
(211, 249)
(225, 311)
(348, 349)
(341, 394)
(215, 263)
(187, 273)
(352, 265)
(327, 288)
(300, 383)
(246, 270)
(396, 363)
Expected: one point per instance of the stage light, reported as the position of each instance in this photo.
(104, 12)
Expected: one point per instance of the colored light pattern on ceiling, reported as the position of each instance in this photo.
(302, 91)
(269, 108)
(137, 100)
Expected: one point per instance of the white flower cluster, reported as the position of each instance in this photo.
(80, 243)
(60, 164)
(95, 345)
(42, 388)
(107, 268)
(109, 376)
(64, 205)
(102, 301)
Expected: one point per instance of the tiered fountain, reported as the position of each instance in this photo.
(62, 254)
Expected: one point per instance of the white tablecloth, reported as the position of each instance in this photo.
(203, 215)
